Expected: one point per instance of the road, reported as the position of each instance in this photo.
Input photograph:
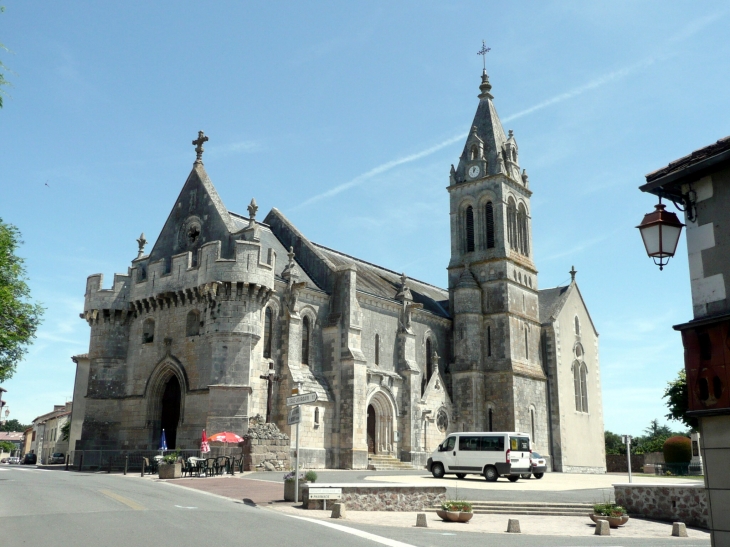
(49, 507)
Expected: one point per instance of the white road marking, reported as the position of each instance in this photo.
(183, 507)
(355, 532)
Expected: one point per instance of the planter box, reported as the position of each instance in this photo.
(289, 490)
(170, 470)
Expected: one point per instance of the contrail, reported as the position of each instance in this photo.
(689, 31)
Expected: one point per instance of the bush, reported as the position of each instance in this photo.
(677, 450)
(608, 510)
(456, 505)
(310, 476)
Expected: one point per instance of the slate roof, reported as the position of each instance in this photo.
(382, 282)
(551, 301)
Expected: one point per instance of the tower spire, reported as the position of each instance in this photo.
(485, 86)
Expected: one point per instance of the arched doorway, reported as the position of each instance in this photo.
(380, 424)
(171, 411)
(371, 429)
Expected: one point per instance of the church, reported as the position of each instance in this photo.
(228, 313)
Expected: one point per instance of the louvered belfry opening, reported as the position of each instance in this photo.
(489, 213)
(469, 229)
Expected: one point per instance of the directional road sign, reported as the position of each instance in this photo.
(294, 416)
(301, 399)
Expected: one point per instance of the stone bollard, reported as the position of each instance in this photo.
(339, 511)
(513, 526)
(679, 529)
(602, 528)
(421, 521)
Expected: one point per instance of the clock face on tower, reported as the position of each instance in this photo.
(474, 171)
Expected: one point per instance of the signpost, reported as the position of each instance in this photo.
(627, 441)
(324, 494)
(295, 417)
(302, 399)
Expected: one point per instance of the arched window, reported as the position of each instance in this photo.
(469, 229)
(527, 343)
(429, 359)
(522, 230)
(532, 423)
(192, 323)
(377, 349)
(475, 152)
(583, 387)
(316, 416)
(489, 215)
(268, 326)
(576, 385)
(511, 223)
(305, 340)
(577, 326)
(491, 423)
(148, 331)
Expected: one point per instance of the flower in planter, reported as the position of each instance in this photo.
(609, 510)
(291, 476)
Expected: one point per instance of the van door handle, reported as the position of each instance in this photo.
(454, 452)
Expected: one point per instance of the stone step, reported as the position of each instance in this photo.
(386, 462)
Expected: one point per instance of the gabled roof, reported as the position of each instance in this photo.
(551, 302)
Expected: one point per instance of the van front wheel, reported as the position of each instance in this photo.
(538, 475)
(490, 473)
(437, 470)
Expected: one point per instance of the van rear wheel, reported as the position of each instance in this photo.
(490, 473)
(437, 470)
(460, 475)
(538, 475)
(513, 478)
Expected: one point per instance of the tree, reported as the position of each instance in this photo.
(13, 425)
(614, 445)
(677, 396)
(19, 318)
(3, 81)
(6, 446)
(66, 430)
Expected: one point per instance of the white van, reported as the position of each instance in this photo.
(492, 454)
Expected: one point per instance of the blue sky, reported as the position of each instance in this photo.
(346, 116)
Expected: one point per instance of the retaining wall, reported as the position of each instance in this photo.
(380, 497)
(670, 502)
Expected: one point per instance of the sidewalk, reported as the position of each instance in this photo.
(236, 487)
(497, 524)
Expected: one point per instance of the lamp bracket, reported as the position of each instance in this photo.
(689, 204)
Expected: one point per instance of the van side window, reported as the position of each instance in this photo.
(493, 444)
(470, 444)
(448, 444)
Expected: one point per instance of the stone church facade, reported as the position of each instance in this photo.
(226, 305)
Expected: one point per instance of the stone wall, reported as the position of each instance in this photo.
(616, 463)
(380, 497)
(670, 502)
(265, 448)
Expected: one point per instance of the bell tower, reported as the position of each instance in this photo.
(497, 380)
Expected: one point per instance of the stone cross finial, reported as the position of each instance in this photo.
(252, 208)
(483, 52)
(291, 255)
(199, 146)
(572, 272)
(141, 242)
(511, 133)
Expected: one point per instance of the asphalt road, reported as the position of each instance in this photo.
(49, 507)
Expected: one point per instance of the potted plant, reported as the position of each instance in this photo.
(290, 485)
(455, 511)
(613, 513)
(170, 467)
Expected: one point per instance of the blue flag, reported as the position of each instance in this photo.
(163, 441)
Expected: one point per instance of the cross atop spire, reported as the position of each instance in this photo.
(483, 52)
(199, 146)
(572, 273)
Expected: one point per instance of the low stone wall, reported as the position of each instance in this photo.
(670, 502)
(265, 448)
(616, 463)
(380, 496)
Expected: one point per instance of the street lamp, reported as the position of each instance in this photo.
(660, 231)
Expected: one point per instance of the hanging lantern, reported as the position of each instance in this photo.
(660, 231)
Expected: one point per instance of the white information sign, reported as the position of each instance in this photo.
(301, 399)
(325, 493)
(295, 416)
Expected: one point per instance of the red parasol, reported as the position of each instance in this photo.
(204, 446)
(225, 437)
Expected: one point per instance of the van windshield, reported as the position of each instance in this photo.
(448, 444)
(519, 443)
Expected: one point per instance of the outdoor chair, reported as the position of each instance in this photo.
(210, 467)
(221, 464)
